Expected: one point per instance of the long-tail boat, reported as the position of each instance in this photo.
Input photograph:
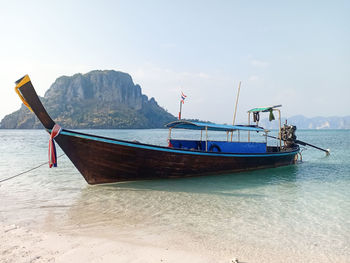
(107, 160)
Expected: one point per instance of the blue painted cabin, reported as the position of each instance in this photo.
(220, 146)
(216, 146)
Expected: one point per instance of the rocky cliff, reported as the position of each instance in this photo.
(98, 99)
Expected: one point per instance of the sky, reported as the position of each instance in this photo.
(294, 53)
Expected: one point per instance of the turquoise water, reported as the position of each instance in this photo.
(304, 208)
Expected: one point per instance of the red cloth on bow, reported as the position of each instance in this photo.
(52, 148)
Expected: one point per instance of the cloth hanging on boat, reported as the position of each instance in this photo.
(271, 116)
(52, 148)
(256, 116)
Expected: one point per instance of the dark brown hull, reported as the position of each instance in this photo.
(105, 160)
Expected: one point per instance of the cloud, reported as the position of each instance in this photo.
(254, 78)
(203, 75)
(259, 63)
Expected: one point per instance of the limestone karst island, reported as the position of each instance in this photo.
(98, 99)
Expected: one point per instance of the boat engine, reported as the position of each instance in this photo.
(288, 135)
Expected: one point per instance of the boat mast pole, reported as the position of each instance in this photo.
(279, 120)
(234, 115)
(248, 124)
(206, 138)
(180, 109)
(169, 135)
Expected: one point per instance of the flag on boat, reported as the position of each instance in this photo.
(183, 97)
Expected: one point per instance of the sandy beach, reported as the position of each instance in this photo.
(18, 244)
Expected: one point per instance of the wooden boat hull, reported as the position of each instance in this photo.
(106, 160)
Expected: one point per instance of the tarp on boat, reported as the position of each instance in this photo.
(264, 109)
(212, 126)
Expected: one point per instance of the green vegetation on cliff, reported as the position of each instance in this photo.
(98, 99)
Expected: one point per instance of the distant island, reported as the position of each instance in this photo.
(98, 99)
(317, 123)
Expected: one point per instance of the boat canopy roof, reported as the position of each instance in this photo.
(264, 109)
(181, 124)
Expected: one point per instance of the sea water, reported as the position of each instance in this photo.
(303, 208)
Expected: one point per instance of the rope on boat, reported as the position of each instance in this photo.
(27, 171)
